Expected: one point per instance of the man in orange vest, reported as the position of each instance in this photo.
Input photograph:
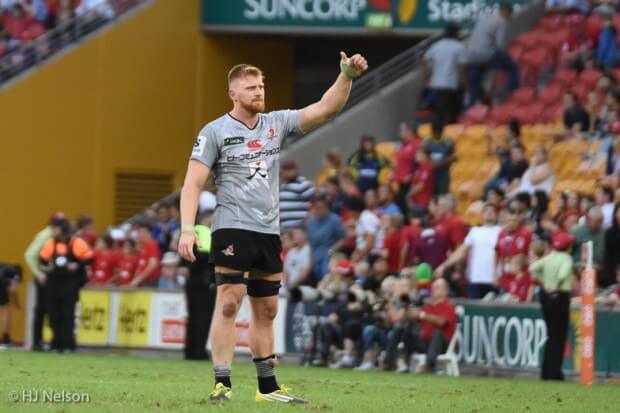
(64, 258)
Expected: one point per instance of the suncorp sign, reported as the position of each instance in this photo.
(339, 15)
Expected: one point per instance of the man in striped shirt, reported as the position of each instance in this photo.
(295, 195)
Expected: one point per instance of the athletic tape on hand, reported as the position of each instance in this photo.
(348, 69)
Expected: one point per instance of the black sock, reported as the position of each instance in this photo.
(266, 374)
(222, 375)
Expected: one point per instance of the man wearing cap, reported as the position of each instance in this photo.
(31, 256)
(295, 195)
(555, 273)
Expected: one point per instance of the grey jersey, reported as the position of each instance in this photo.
(246, 165)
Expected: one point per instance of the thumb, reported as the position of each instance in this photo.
(343, 56)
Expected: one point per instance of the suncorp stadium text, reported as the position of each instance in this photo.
(304, 9)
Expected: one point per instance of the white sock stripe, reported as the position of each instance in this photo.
(277, 397)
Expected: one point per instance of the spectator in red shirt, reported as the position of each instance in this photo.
(105, 262)
(437, 324)
(518, 285)
(148, 270)
(127, 264)
(514, 239)
(86, 229)
(405, 162)
(447, 223)
(431, 247)
(411, 233)
(392, 242)
(421, 190)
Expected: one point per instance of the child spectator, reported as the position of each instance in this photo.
(105, 262)
(430, 247)
(127, 264)
(422, 181)
(518, 285)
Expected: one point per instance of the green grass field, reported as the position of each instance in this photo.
(133, 384)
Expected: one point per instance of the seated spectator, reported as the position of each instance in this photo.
(127, 263)
(447, 223)
(607, 52)
(332, 167)
(437, 321)
(496, 197)
(392, 242)
(295, 195)
(148, 269)
(298, 262)
(431, 247)
(486, 49)
(164, 226)
(612, 246)
(405, 162)
(441, 150)
(575, 118)
(325, 235)
(422, 181)
(385, 198)
(105, 262)
(591, 230)
(539, 176)
(512, 167)
(578, 46)
(334, 196)
(611, 295)
(367, 164)
(171, 278)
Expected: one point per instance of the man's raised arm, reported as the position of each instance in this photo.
(336, 96)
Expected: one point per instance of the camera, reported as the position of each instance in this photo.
(307, 294)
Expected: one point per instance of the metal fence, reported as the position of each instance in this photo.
(33, 53)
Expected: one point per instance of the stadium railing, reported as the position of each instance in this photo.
(73, 31)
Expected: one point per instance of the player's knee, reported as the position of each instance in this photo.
(230, 308)
(269, 312)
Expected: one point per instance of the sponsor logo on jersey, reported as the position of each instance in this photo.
(234, 140)
(257, 168)
(229, 251)
(199, 146)
(252, 156)
(272, 134)
(254, 145)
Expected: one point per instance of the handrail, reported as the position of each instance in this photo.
(32, 54)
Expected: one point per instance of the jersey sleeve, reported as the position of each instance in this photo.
(82, 250)
(289, 121)
(206, 148)
(47, 252)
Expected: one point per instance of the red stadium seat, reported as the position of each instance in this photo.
(581, 90)
(532, 62)
(475, 114)
(528, 113)
(501, 115)
(523, 95)
(551, 113)
(573, 21)
(565, 77)
(516, 51)
(550, 95)
(590, 77)
(551, 22)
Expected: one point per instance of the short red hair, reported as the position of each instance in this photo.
(242, 70)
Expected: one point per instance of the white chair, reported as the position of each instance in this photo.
(449, 359)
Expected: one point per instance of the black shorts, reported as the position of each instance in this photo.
(247, 251)
(4, 293)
